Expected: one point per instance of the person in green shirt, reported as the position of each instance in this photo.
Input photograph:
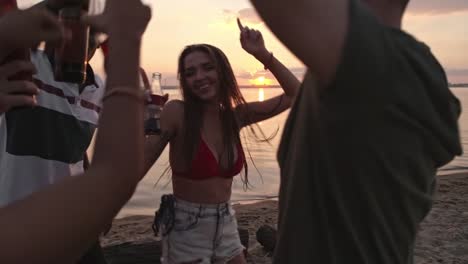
(373, 121)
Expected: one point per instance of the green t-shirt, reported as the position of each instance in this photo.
(358, 162)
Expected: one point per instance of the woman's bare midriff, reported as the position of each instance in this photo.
(210, 191)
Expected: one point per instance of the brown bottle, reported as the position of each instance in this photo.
(71, 58)
(18, 54)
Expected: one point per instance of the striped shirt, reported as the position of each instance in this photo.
(41, 145)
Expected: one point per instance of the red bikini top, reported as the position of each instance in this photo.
(205, 166)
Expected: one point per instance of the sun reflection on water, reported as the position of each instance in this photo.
(261, 95)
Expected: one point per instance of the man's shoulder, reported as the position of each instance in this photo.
(415, 57)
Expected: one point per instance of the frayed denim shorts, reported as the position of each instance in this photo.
(197, 233)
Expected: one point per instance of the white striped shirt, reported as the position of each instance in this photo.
(41, 145)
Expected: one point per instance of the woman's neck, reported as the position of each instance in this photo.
(211, 108)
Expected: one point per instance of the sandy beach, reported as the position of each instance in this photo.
(443, 236)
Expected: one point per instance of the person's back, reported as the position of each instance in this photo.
(358, 162)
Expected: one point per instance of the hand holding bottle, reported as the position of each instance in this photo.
(154, 103)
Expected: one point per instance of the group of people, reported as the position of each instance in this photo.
(370, 124)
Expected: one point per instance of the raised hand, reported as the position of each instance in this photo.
(16, 93)
(31, 26)
(252, 41)
(128, 17)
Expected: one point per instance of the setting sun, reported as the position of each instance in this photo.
(261, 81)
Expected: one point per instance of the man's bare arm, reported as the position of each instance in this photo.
(314, 30)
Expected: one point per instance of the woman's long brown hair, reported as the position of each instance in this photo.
(229, 98)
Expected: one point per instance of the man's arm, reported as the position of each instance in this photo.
(314, 30)
(79, 207)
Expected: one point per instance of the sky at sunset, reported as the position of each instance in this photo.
(442, 24)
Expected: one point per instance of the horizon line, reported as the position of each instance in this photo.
(252, 86)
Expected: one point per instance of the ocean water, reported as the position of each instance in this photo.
(263, 168)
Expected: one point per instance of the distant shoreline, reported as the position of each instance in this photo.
(174, 87)
(458, 85)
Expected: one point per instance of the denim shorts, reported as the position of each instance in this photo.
(201, 233)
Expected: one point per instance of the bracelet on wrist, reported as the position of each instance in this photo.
(124, 91)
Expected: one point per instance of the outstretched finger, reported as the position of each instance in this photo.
(239, 24)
